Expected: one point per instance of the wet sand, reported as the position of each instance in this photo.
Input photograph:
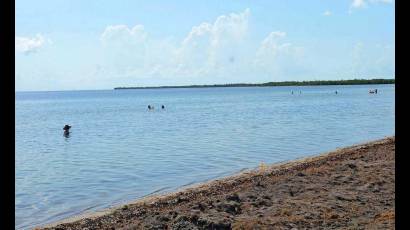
(350, 188)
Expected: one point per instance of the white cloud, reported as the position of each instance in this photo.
(274, 36)
(213, 48)
(121, 33)
(221, 50)
(208, 49)
(327, 13)
(272, 46)
(356, 4)
(29, 45)
(277, 58)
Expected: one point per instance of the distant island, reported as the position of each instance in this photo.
(282, 83)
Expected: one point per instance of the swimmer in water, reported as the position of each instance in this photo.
(66, 130)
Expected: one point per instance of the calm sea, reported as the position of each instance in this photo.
(119, 151)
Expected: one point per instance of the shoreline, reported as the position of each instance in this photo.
(274, 84)
(247, 193)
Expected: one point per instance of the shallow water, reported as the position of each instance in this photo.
(119, 151)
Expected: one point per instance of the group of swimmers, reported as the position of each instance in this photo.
(68, 127)
(370, 91)
(151, 107)
(300, 92)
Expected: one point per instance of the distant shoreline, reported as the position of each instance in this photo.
(282, 83)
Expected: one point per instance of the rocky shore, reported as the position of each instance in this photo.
(350, 188)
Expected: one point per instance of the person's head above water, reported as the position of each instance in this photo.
(66, 127)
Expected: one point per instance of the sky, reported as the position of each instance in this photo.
(101, 44)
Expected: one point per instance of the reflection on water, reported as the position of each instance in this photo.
(121, 152)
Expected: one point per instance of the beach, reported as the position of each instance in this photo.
(349, 188)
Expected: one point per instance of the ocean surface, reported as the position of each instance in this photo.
(118, 151)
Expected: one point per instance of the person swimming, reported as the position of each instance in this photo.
(66, 130)
(163, 107)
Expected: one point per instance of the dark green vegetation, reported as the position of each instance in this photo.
(283, 83)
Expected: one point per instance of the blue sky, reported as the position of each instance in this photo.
(70, 45)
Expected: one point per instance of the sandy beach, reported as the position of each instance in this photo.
(349, 188)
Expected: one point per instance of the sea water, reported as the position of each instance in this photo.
(119, 151)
